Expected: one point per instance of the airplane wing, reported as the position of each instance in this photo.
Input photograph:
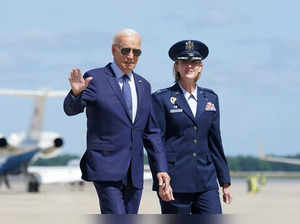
(14, 164)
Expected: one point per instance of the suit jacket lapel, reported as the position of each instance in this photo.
(182, 103)
(139, 92)
(111, 77)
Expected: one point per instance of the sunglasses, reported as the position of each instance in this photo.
(135, 52)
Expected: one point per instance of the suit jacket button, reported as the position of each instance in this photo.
(194, 154)
(195, 141)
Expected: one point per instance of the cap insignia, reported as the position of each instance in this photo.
(189, 45)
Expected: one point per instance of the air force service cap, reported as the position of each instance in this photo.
(188, 50)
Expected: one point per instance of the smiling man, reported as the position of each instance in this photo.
(120, 121)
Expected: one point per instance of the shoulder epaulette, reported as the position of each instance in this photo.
(161, 91)
(208, 90)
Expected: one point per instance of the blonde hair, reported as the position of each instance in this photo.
(176, 74)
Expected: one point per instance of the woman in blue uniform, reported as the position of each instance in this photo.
(189, 118)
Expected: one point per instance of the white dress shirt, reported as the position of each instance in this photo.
(191, 98)
(119, 74)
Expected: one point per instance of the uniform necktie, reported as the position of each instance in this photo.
(192, 101)
(126, 91)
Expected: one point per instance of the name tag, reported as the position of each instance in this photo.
(178, 110)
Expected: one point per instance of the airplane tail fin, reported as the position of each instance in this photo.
(40, 97)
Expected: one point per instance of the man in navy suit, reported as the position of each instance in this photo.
(120, 121)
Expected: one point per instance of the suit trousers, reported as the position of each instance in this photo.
(207, 202)
(118, 197)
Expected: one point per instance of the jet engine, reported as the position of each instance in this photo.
(3, 142)
(54, 150)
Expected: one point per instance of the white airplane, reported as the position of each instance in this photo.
(261, 156)
(17, 151)
(58, 174)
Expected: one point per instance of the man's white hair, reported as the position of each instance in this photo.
(127, 32)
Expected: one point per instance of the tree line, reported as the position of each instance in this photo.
(236, 163)
(250, 163)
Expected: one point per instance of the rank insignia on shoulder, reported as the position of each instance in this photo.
(160, 91)
(210, 107)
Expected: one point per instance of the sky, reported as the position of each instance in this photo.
(253, 64)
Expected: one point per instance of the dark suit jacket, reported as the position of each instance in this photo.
(113, 141)
(193, 144)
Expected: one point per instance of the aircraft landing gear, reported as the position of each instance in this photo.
(33, 183)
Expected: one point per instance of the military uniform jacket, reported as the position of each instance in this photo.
(193, 144)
